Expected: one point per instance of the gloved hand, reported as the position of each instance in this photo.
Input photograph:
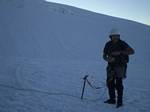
(110, 59)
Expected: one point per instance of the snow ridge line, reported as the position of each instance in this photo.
(38, 91)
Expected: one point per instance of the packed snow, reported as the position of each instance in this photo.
(46, 49)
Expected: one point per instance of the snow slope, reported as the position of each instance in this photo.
(46, 49)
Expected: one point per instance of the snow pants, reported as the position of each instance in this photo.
(115, 77)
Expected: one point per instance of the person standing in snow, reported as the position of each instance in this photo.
(116, 52)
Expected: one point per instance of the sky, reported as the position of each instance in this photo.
(136, 10)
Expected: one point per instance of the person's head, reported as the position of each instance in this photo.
(114, 35)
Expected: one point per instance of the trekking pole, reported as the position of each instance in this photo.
(85, 79)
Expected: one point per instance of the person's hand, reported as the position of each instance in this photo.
(116, 53)
(111, 59)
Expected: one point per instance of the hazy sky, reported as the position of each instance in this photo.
(137, 10)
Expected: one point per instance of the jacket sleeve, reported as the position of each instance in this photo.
(105, 52)
(127, 49)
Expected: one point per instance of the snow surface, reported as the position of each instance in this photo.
(47, 48)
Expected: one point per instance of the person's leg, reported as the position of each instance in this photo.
(111, 92)
(111, 86)
(120, 74)
(119, 88)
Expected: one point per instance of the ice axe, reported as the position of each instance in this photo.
(85, 79)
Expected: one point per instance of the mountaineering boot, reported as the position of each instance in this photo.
(110, 101)
(119, 105)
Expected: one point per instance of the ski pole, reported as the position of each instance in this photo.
(85, 79)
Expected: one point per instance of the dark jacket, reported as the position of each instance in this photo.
(110, 47)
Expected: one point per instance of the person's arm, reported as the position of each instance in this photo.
(127, 50)
(105, 52)
(106, 56)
